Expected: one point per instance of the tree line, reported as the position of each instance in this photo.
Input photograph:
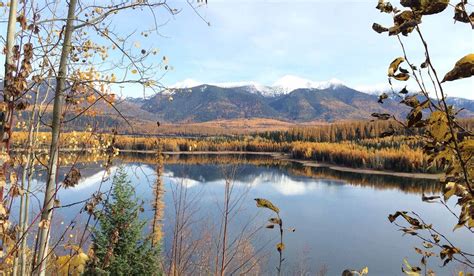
(396, 153)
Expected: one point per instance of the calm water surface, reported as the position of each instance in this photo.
(340, 218)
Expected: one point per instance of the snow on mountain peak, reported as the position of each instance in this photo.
(284, 85)
(290, 83)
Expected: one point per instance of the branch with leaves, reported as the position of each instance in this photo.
(445, 140)
(275, 222)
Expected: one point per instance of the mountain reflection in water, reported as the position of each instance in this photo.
(340, 217)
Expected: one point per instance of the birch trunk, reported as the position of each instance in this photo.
(6, 110)
(50, 194)
(26, 182)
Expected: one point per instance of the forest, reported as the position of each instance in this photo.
(354, 144)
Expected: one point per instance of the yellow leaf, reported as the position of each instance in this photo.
(72, 265)
(90, 99)
(364, 271)
(464, 68)
(134, 71)
(439, 127)
(401, 77)
(264, 203)
(412, 271)
(280, 247)
(449, 190)
(394, 66)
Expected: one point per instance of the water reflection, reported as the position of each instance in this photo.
(287, 177)
(205, 162)
(341, 217)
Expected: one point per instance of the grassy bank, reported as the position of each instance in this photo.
(391, 153)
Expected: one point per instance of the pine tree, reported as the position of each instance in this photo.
(119, 245)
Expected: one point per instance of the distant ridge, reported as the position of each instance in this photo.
(327, 101)
(319, 101)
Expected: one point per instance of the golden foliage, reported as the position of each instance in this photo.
(464, 68)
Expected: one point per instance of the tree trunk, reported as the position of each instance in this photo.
(9, 62)
(6, 109)
(26, 184)
(50, 194)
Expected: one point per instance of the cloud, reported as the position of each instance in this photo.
(269, 181)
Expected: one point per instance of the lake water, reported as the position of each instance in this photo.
(340, 218)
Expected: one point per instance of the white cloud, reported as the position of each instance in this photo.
(187, 83)
(93, 180)
(282, 184)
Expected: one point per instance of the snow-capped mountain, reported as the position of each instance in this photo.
(289, 83)
(282, 86)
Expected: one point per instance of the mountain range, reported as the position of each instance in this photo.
(328, 101)
(291, 99)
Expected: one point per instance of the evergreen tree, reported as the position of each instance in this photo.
(119, 245)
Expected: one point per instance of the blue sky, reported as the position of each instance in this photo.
(257, 40)
(263, 40)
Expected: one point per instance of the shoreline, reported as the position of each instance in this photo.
(308, 163)
(286, 157)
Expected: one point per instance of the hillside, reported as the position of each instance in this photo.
(219, 105)
(207, 103)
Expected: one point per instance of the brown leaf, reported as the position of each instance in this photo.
(466, 217)
(461, 15)
(425, 7)
(403, 70)
(22, 20)
(411, 101)
(412, 221)
(414, 116)
(427, 245)
(379, 28)
(280, 247)
(381, 116)
(447, 253)
(275, 220)
(382, 97)
(403, 91)
(22, 105)
(402, 76)
(464, 68)
(15, 191)
(384, 7)
(72, 178)
(404, 23)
